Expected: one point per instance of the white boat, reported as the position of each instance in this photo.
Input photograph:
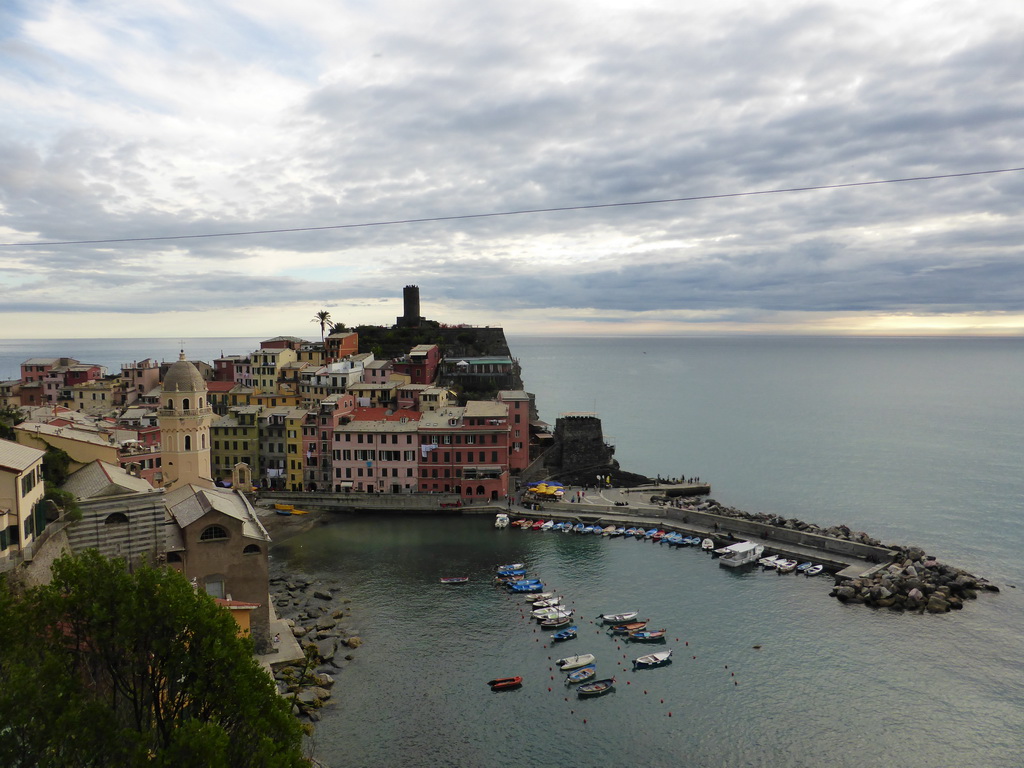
(510, 567)
(553, 612)
(769, 562)
(548, 525)
(501, 521)
(786, 566)
(618, 618)
(708, 545)
(547, 602)
(814, 570)
(653, 659)
(574, 662)
(535, 596)
(740, 554)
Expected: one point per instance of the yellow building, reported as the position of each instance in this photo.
(267, 365)
(294, 457)
(83, 447)
(95, 397)
(21, 489)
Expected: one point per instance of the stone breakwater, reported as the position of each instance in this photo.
(910, 581)
(914, 582)
(321, 620)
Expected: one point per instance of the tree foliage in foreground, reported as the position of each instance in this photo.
(106, 667)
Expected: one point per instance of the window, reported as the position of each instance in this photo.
(116, 517)
(213, 533)
(251, 549)
(188, 442)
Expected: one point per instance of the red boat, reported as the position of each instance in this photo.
(505, 683)
(625, 629)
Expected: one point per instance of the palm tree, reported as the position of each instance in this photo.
(324, 318)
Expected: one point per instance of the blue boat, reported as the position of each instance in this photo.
(581, 674)
(803, 567)
(566, 634)
(579, 527)
(514, 572)
(649, 533)
(528, 587)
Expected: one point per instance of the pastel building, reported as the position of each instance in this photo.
(21, 489)
(420, 364)
(376, 450)
(185, 418)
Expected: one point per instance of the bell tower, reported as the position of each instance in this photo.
(185, 417)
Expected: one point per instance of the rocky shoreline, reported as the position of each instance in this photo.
(321, 620)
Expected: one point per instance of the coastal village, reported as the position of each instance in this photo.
(187, 464)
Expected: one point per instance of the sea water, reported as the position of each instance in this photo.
(915, 441)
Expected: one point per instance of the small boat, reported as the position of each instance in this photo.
(284, 507)
(548, 525)
(596, 688)
(540, 596)
(692, 541)
(527, 524)
(653, 660)
(647, 636)
(505, 683)
(501, 520)
(618, 618)
(537, 525)
(566, 634)
(804, 566)
(620, 531)
(649, 533)
(581, 674)
(529, 587)
(708, 545)
(769, 562)
(739, 554)
(518, 523)
(670, 538)
(511, 572)
(454, 579)
(555, 622)
(609, 530)
(786, 566)
(547, 602)
(522, 582)
(625, 629)
(574, 662)
(814, 570)
(579, 528)
(552, 612)
(284, 511)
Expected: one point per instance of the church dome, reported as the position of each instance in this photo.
(184, 377)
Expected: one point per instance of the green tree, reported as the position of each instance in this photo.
(324, 318)
(10, 415)
(106, 667)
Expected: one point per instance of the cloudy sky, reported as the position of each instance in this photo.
(126, 119)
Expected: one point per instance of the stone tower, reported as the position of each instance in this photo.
(185, 417)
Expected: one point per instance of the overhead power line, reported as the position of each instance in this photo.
(524, 212)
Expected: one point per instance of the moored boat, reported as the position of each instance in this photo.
(804, 566)
(596, 688)
(566, 634)
(769, 562)
(653, 660)
(454, 579)
(501, 520)
(814, 570)
(581, 674)
(786, 566)
(647, 636)
(547, 602)
(552, 612)
(743, 553)
(505, 683)
(618, 618)
(625, 629)
(574, 662)
(555, 622)
(708, 545)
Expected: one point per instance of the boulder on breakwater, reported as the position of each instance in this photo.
(914, 582)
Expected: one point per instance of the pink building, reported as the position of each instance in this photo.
(376, 450)
(518, 403)
(318, 430)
